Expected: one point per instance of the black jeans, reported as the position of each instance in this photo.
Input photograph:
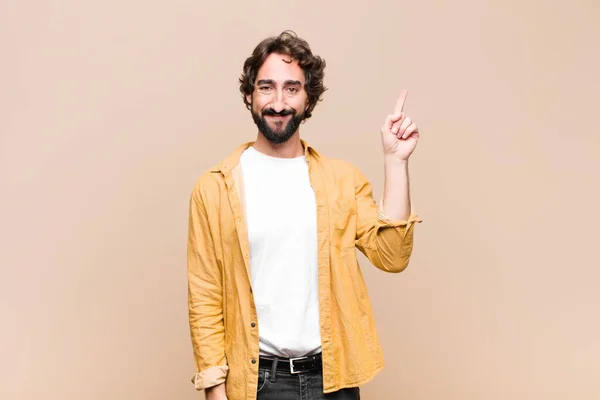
(305, 386)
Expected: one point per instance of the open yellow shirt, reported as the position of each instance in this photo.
(222, 315)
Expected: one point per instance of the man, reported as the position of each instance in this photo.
(278, 307)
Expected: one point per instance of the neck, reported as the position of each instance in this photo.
(290, 149)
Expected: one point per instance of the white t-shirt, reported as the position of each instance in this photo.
(282, 229)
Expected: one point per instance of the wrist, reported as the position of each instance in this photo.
(392, 161)
(215, 391)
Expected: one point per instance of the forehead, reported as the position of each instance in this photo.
(280, 68)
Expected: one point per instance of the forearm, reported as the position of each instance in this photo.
(208, 336)
(216, 392)
(205, 300)
(396, 190)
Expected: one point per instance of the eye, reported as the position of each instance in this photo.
(293, 90)
(264, 88)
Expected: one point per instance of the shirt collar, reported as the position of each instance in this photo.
(233, 159)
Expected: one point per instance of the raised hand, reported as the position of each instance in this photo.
(400, 133)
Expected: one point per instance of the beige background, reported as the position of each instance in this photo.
(110, 110)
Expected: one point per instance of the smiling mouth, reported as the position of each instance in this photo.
(277, 116)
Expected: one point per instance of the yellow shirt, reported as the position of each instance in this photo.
(222, 314)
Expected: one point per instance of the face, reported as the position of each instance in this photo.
(279, 99)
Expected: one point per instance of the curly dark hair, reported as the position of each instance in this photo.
(287, 43)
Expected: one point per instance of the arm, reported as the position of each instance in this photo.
(396, 190)
(385, 235)
(205, 293)
(216, 392)
(386, 242)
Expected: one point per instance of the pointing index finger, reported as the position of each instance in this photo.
(400, 101)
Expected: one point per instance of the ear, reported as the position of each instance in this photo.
(249, 98)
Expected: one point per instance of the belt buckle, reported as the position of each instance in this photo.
(292, 369)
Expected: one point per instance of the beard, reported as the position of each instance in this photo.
(282, 133)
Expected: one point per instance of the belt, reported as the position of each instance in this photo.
(295, 365)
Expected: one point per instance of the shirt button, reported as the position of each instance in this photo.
(254, 361)
(253, 324)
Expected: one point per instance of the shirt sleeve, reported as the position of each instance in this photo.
(385, 242)
(205, 293)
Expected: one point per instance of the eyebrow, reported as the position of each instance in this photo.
(272, 82)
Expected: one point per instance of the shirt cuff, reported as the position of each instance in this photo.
(387, 220)
(210, 377)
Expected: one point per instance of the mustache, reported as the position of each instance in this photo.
(282, 113)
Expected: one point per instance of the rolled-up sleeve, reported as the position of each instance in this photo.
(385, 242)
(205, 304)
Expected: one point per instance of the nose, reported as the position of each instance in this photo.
(278, 103)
